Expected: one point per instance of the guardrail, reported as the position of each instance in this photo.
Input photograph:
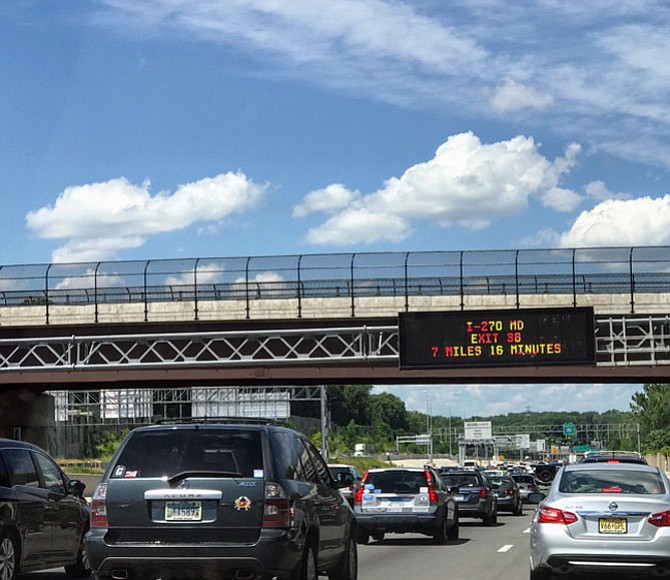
(573, 272)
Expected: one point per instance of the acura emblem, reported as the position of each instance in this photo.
(183, 484)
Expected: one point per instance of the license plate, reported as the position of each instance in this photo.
(612, 526)
(183, 511)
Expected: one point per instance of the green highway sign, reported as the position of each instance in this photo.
(569, 429)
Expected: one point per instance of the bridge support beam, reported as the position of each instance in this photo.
(27, 416)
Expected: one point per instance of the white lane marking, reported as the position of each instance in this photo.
(506, 548)
(526, 531)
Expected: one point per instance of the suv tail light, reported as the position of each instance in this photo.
(277, 511)
(432, 494)
(661, 519)
(358, 494)
(98, 517)
(483, 493)
(548, 515)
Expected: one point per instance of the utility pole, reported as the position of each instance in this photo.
(324, 422)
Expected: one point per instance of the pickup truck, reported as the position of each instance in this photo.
(545, 472)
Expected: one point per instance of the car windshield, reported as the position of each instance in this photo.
(397, 481)
(611, 481)
(166, 453)
(523, 479)
(501, 481)
(340, 471)
(461, 480)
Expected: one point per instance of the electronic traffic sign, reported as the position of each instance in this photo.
(542, 336)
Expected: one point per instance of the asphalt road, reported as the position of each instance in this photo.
(482, 553)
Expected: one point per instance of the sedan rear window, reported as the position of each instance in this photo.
(231, 452)
(611, 481)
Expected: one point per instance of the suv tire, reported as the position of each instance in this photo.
(80, 568)
(453, 532)
(362, 537)
(491, 519)
(8, 557)
(347, 568)
(541, 574)
(440, 535)
(307, 568)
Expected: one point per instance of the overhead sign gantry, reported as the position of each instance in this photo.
(479, 338)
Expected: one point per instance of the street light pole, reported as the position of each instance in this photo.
(449, 431)
(429, 428)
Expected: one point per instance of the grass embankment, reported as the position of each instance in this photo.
(79, 466)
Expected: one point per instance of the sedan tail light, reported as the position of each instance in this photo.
(548, 515)
(98, 517)
(483, 493)
(661, 519)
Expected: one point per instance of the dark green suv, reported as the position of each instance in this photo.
(220, 500)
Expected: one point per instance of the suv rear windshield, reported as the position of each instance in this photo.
(524, 479)
(462, 480)
(397, 481)
(158, 453)
(611, 480)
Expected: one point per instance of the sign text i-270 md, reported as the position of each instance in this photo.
(497, 337)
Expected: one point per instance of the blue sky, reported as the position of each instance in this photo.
(135, 129)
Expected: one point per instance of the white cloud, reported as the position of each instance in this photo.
(598, 190)
(207, 274)
(329, 199)
(359, 225)
(513, 96)
(635, 222)
(100, 219)
(467, 183)
(268, 276)
(544, 238)
(88, 279)
(575, 64)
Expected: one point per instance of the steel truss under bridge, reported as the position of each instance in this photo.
(622, 342)
(141, 405)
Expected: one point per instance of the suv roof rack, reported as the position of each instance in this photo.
(224, 419)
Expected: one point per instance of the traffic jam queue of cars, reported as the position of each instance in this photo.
(253, 500)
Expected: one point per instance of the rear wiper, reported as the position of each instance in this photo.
(203, 473)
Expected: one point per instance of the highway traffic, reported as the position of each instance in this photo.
(481, 553)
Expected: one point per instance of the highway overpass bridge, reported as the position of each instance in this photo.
(329, 319)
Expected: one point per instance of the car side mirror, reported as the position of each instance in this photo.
(77, 487)
(535, 497)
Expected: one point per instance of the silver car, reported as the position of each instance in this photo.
(603, 518)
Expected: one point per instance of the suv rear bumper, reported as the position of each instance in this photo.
(275, 553)
(398, 522)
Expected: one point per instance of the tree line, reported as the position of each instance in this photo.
(357, 415)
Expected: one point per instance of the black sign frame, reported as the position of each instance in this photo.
(489, 338)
